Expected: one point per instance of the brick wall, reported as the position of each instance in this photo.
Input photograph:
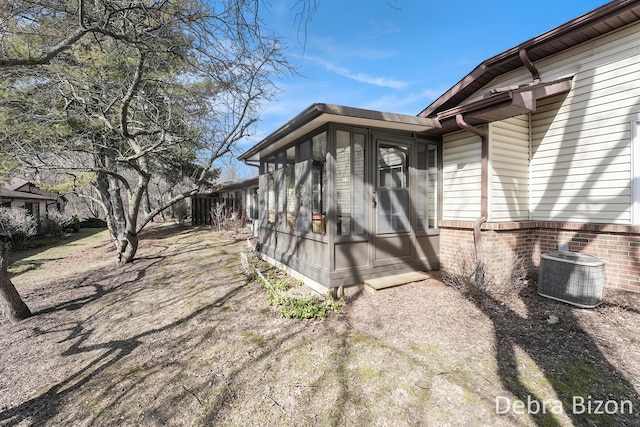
(617, 245)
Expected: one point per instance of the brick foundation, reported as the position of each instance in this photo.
(617, 245)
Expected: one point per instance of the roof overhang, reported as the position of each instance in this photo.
(12, 194)
(235, 185)
(607, 18)
(502, 104)
(318, 115)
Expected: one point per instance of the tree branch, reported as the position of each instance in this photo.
(47, 56)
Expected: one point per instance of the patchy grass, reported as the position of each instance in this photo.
(181, 337)
(45, 250)
(289, 296)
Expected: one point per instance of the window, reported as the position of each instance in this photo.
(268, 166)
(318, 183)
(33, 209)
(303, 187)
(393, 188)
(350, 203)
(290, 188)
(278, 178)
(427, 187)
(271, 193)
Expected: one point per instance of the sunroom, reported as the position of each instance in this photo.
(347, 195)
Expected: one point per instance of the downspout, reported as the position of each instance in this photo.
(527, 63)
(484, 178)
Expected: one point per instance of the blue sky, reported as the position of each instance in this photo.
(397, 55)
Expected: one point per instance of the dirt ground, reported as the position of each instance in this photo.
(180, 337)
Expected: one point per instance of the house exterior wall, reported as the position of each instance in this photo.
(617, 245)
(56, 203)
(21, 203)
(581, 170)
(509, 170)
(461, 176)
(581, 142)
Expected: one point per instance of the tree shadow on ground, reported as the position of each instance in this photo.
(573, 365)
(44, 407)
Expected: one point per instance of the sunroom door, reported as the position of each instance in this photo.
(392, 207)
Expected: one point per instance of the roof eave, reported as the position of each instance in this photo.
(508, 103)
(541, 44)
(319, 114)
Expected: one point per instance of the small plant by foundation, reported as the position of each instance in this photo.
(290, 304)
(476, 274)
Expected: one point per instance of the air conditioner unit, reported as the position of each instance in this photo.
(572, 277)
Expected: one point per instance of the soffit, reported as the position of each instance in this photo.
(317, 115)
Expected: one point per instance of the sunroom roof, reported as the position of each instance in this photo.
(318, 114)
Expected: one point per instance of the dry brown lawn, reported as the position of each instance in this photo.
(180, 337)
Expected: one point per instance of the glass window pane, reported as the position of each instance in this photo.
(271, 166)
(358, 226)
(319, 146)
(280, 160)
(343, 183)
(290, 182)
(427, 180)
(392, 166)
(280, 195)
(303, 194)
(432, 190)
(304, 151)
(393, 210)
(422, 184)
(393, 192)
(318, 182)
(271, 200)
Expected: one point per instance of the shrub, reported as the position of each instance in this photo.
(93, 223)
(20, 223)
(479, 274)
(55, 223)
(218, 216)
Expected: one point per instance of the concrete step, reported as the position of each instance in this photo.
(373, 285)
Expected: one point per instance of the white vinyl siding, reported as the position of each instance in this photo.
(635, 161)
(581, 141)
(509, 171)
(461, 171)
(579, 175)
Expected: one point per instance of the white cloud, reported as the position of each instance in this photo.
(360, 77)
(406, 102)
(330, 47)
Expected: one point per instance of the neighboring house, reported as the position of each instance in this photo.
(239, 198)
(20, 193)
(539, 146)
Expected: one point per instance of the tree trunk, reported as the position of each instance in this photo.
(126, 246)
(12, 305)
(146, 204)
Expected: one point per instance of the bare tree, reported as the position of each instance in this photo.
(10, 302)
(173, 90)
(12, 222)
(125, 91)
